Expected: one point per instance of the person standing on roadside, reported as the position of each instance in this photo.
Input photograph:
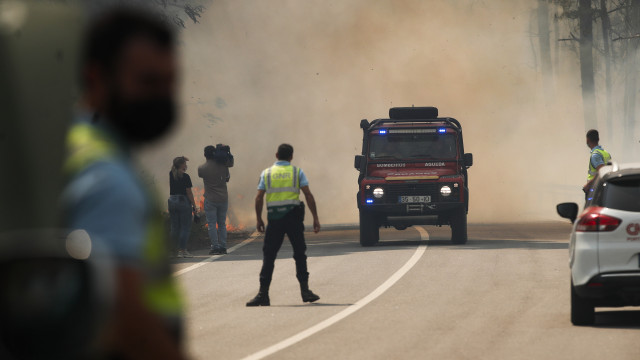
(129, 73)
(597, 159)
(282, 183)
(215, 175)
(181, 206)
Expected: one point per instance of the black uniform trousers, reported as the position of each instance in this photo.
(292, 225)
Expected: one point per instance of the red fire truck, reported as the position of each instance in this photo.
(413, 171)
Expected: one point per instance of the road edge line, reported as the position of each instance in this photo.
(424, 236)
(214, 257)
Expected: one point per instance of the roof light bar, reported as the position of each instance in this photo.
(412, 131)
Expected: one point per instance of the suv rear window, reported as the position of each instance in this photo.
(622, 194)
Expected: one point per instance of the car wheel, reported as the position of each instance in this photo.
(369, 229)
(582, 310)
(459, 227)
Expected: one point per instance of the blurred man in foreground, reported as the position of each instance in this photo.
(128, 74)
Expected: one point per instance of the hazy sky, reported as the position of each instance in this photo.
(259, 73)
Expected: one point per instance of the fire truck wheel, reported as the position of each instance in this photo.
(459, 227)
(369, 229)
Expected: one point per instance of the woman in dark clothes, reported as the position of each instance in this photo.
(181, 205)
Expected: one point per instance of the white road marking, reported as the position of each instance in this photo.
(424, 235)
(214, 257)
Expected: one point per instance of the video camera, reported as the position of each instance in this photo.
(223, 155)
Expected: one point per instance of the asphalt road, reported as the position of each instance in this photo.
(503, 295)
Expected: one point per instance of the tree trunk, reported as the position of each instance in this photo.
(606, 41)
(556, 46)
(586, 64)
(631, 87)
(545, 48)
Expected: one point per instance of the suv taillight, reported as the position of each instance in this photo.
(592, 220)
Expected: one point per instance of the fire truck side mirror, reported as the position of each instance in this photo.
(468, 160)
(358, 162)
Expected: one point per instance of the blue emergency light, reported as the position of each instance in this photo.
(382, 132)
(442, 130)
(369, 201)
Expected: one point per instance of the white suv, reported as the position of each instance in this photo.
(604, 252)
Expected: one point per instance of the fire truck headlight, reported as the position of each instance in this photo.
(378, 193)
(445, 190)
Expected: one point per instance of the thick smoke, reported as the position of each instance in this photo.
(260, 73)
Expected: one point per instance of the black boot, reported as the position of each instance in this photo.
(262, 299)
(307, 295)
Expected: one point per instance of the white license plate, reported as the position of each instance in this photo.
(415, 199)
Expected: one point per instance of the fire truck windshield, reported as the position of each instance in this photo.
(412, 146)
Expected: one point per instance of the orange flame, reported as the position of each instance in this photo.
(198, 196)
(230, 227)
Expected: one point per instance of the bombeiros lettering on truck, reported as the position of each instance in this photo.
(413, 171)
(391, 165)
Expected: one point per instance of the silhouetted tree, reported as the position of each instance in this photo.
(544, 43)
(179, 12)
(585, 13)
(605, 21)
(616, 48)
(632, 17)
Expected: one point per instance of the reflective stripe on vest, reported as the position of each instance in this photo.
(161, 291)
(86, 145)
(592, 170)
(282, 184)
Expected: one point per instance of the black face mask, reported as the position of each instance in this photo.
(142, 121)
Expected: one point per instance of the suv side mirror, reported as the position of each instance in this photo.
(568, 211)
(364, 124)
(467, 159)
(357, 163)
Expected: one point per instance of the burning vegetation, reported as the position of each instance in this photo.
(232, 222)
(199, 237)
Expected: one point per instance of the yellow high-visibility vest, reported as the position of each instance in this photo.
(86, 145)
(592, 170)
(282, 184)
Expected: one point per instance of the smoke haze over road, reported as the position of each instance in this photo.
(260, 73)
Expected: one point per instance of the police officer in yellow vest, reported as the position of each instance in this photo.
(282, 183)
(598, 158)
(129, 75)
